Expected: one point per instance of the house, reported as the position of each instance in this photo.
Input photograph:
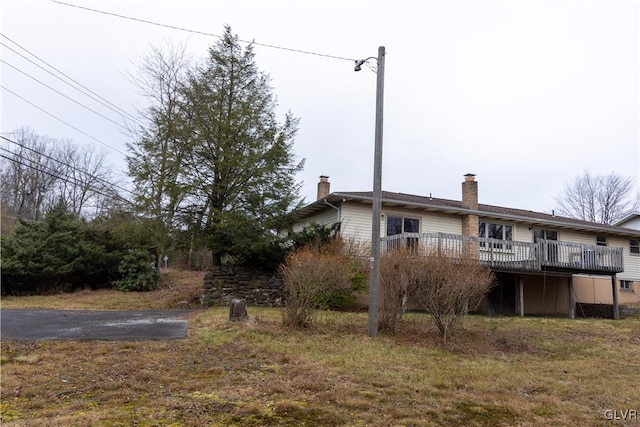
(544, 264)
(630, 221)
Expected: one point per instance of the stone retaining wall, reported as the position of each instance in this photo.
(605, 311)
(257, 288)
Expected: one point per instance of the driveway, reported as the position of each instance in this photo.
(36, 325)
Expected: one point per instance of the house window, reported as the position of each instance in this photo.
(399, 225)
(634, 246)
(626, 285)
(495, 231)
(601, 240)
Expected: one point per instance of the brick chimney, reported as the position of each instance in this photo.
(324, 187)
(470, 201)
(470, 192)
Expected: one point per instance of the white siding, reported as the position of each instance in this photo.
(631, 261)
(577, 237)
(356, 221)
(441, 223)
(327, 217)
(522, 232)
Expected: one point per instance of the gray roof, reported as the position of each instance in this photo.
(432, 204)
(627, 218)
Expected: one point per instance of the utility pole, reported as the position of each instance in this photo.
(377, 200)
(374, 282)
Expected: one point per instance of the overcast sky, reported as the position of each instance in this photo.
(525, 94)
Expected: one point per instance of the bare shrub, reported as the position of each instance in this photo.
(312, 275)
(448, 285)
(395, 276)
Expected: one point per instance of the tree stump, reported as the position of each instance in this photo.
(238, 310)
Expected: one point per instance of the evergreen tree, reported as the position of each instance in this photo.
(237, 173)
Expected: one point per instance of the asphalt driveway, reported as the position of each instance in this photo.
(36, 325)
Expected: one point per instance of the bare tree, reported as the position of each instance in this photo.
(38, 172)
(86, 178)
(603, 199)
(158, 150)
(29, 173)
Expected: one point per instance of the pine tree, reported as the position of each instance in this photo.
(237, 176)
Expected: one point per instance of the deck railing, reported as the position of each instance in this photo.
(508, 254)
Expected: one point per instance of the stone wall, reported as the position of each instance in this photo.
(594, 310)
(605, 311)
(257, 288)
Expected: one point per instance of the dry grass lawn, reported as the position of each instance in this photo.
(499, 372)
(178, 289)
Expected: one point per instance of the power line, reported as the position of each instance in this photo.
(65, 96)
(68, 165)
(203, 33)
(62, 121)
(67, 179)
(34, 164)
(106, 102)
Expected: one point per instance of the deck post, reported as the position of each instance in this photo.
(521, 292)
(614, 290)
(572, 305)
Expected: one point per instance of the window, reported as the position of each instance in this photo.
(601, 240)
(544, 234)
(626, 285)
(634, 246)
(495, 231)
(551, 252)
(399, 225)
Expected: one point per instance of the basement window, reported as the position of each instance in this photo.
(626, 285)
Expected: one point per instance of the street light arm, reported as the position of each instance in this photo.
(360, 62)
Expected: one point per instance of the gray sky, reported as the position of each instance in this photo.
(526, 94)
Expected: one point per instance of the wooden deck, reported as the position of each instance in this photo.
(548, 255)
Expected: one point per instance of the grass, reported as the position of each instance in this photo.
(178, 289)
(498, 372)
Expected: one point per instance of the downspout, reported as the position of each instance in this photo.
(334, 207)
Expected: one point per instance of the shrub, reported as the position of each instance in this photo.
(448, 285)
(395, 277)
(138, 272)
(57, 253)
(314, 276)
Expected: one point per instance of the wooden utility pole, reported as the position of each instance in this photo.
(377, 200)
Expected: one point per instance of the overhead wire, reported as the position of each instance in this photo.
(203, 33)
(113, 105)
(62, 121)
(90, 94)
(55, 174)
(69, 166)
(65, 96)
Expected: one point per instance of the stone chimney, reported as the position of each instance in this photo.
(470, 221)
(324, 187)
